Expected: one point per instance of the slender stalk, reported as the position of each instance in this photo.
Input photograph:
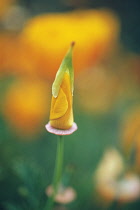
(57, 172)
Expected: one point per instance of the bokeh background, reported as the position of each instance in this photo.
(102, 158)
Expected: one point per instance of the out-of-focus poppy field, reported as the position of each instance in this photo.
(101, 169)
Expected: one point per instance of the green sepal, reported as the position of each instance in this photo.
(66, 66)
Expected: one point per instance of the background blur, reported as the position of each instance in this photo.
(102, 158)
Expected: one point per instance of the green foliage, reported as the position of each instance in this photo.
(26, 168)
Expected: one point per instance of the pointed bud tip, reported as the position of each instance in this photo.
(72, 44)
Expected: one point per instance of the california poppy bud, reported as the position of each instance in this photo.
(61, 113)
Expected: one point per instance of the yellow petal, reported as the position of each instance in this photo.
(59, 106)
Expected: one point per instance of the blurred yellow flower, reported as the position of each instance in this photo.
(47, 37)
(109, 169)
(26, 105)
(110, 166)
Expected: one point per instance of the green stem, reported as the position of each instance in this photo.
(57, 172)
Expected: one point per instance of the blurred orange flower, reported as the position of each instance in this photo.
(47, 37)
(26, 105)
(12, 60)
(8, 52)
